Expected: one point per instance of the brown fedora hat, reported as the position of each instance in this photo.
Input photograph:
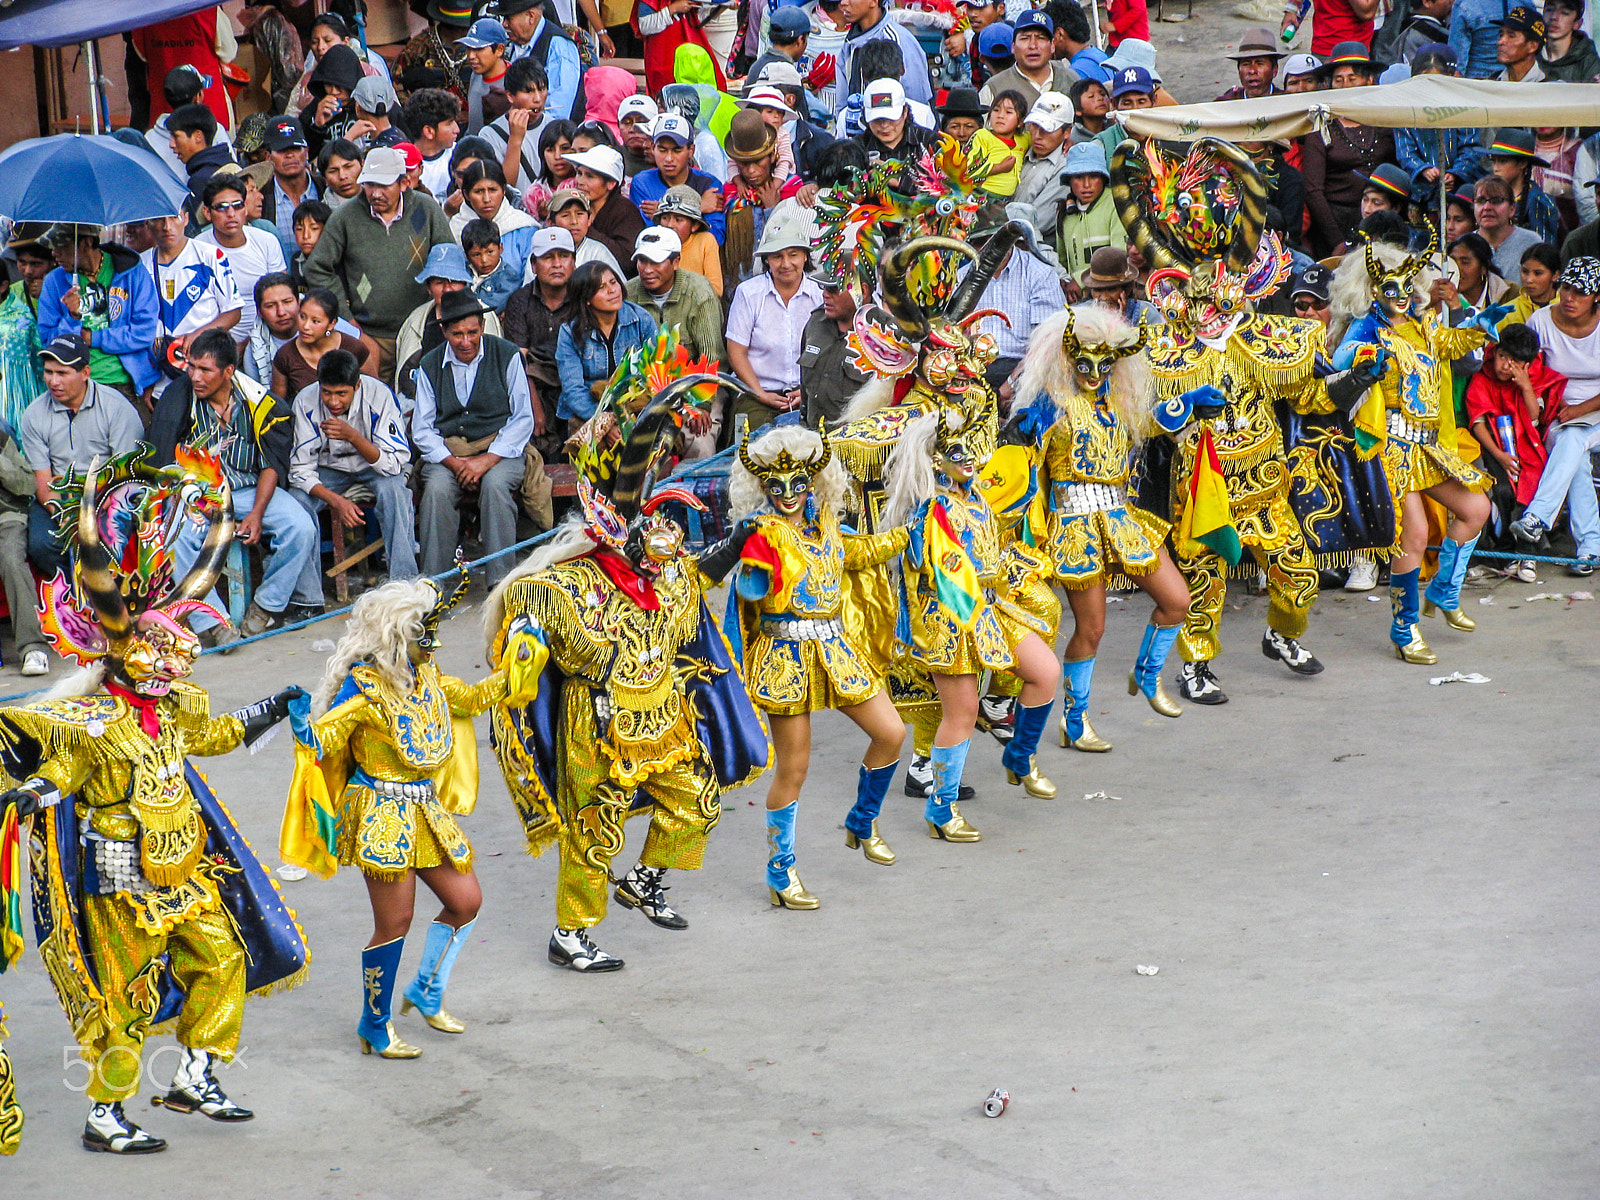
(749, 137)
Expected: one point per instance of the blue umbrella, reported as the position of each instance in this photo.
(82, 180)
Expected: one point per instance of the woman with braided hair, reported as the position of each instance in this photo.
(807, 636)
(1088, 363)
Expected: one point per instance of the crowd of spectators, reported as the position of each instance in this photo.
(402, 292)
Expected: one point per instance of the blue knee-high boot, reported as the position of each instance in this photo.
(380, 965)
(1145, 678)
(1020, 749)
(1445, 589)
(780, 841)
(944, 818)
(1077, 678)
(871, 788)
(426, 991)
(782, 880)
(1403, 600)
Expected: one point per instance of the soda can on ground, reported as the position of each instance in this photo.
(996, 1103)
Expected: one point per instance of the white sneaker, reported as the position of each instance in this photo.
(1525, 570)
(36, 662)
(1363, 575)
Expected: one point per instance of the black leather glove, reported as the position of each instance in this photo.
(1348, 388)
(28, 799)
(717, 561)
(261, 716)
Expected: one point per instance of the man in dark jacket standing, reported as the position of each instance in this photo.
(252, 431)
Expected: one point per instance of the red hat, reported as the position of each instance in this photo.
(412, 155)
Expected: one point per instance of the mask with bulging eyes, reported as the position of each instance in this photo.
(788, 493)
(652, 543)
(953, 456)
(159, 654)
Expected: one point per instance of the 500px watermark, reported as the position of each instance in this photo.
(128, 1068)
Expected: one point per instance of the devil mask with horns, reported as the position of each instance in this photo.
(1392, 287)
(121, 523)
(786, 481)
(1197, 213)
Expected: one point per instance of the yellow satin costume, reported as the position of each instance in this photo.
(375, 738)
(809, 645)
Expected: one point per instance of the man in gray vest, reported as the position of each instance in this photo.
(471, 424)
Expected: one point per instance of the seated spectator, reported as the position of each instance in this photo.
(494, 277)
(1033, 72)
(446, 271)
(614, 221)
(101, 294)
(485, 43)
(1569, 332)
(467, 151)
(767, 321)
(1309, 292)
(310, 219)
(192, 135)
(1089, 217)
(365, 254)
(251, 252)
(1478, 284)
(807, 139)
(1387, 189)
(195, 288)
(340, 166)
(294, 367)
(375, 104)
(750, 197)
(1257, 61)
(1041, 187)
(636, 116)
(331, 112)
(554, 172)
(775, 111)
(484, 188)
(604, 327)
(1559, 147)
(76, 422)
(292, 182)
(515, 136)
(673, 139)
(679, 210)
(1493, 204)
(1091, 99)
(1459, 216)
(251, 430)
(277, 323)
(1110, 282)
(1424, 153)
(534, 316)
(433, 116)
(1335, 165)
(17, 490)
(891, 136)
(1512, 158)
(1304, 73)
(1515, 386)
(348, 431)
(1540, 278)
(684, 99)
(1027, 291)
(1568, 54)
(569, 209)
(674, 297)
(20, 380)
(473, 444)
(1518, 46)
(829, 376)
(1132, 87)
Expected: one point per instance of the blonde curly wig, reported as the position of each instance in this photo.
(746, 492)
(1045, 369)
(382, 625)
(1352, 292)
(909, 475)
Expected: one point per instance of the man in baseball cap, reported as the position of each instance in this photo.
(1522, 34)
(485, 43)
(1303, 73)
(672, 138)
(1034, 69)
(1308, 293)
(383, 167)
(1132, 87)
(285, 144)
(891, 135)
(675, 297)
(1049, 122)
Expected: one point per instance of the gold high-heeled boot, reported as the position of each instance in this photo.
(872, 847)
(441, 1020)
(1416, 650)
(395, 1049)
(1161, 701)
(793, 894)
(1090, 742)
(1033, 782)
(956, 829)
(1456, 618)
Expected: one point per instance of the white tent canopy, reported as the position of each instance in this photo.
(1422, 102)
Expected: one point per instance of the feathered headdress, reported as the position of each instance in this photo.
(120, 523)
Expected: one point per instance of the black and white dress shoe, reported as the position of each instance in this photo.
(643, 889)
(1199, 685)
(1290, 653)
(195, 1089)
(572, 948)
(919, 779)
(107, 1131)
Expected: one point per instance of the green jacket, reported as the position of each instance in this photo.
(693, 308)
(373, 269)
(1580, 64)
(1079, 234)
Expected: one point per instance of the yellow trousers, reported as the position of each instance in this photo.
(1291, 589)
(686, 808)
(207, 962)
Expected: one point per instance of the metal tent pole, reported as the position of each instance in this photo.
(92, 60)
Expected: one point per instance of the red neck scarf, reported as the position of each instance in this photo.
(145, 706)
(641, 589)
